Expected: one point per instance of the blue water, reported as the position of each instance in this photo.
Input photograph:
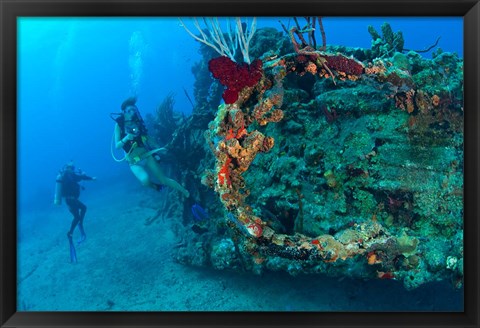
(74, 72)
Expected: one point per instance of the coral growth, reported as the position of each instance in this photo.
(340, 63)
(235, 76)
(326, 164)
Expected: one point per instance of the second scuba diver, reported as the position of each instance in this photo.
(131, 135)
(68, 188)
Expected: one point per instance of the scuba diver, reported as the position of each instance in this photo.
(131, 135)
(67, 187)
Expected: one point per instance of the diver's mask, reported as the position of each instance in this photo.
(132, 110)
(69, 166)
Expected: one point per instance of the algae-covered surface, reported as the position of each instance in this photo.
(339, 161)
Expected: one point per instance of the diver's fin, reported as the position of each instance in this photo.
(73, 253)
(198, 229)
(199, 213)
(82, 239)
(83, 236)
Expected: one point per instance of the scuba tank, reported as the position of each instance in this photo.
(57, 199)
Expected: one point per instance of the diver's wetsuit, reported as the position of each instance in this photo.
(71, 192)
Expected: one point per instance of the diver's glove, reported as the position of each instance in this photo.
(128, 137)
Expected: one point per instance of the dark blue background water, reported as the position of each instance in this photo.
(74, 72)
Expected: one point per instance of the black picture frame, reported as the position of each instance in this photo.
(10, 10)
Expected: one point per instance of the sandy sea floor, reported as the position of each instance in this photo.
(126, 265)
